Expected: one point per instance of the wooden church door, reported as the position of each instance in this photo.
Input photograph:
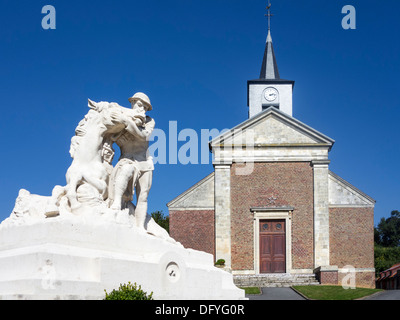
(272, 246)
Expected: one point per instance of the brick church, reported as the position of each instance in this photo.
(272, 205)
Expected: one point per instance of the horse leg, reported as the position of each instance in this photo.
(72, 196)
(97, 183)
(72, 185)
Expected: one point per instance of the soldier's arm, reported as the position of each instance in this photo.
(141, 133)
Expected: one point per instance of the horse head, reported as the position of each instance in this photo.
(104, 110)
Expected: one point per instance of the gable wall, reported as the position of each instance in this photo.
(352, 242)
(201, 195)
(192, 219)
(341, 193)
(194, 229)
(351, 232)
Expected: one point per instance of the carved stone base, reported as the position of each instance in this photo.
(70, 258)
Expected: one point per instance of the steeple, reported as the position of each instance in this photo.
(269, 68)
(269, 90)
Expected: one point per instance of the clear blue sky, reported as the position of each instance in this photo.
(193, 58)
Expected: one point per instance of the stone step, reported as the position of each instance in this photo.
(275, 280)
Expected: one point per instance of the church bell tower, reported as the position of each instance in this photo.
(269, 90)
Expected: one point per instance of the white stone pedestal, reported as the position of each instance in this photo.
(70, 258)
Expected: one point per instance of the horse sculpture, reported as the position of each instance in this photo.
(88, 176)
(89, 166)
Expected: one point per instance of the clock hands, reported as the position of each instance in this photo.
(271, 94)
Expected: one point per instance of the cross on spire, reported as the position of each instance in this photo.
(269, 14)
(269, 68)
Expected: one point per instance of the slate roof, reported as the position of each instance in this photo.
(269, 67)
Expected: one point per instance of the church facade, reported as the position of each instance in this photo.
(272, 205)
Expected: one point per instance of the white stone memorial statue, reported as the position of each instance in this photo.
(88, 236)
(93, 185)
(135, 167)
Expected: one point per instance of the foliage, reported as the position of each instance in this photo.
(387, 234)
(220, 262)
(128, 292)
(334, 292)
(161, 219)
(387, 242)
(386, 258)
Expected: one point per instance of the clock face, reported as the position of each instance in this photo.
(271, 94)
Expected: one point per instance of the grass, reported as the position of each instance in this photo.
(252, 290)
(334, 292)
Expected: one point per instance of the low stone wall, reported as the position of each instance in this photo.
(274, 280)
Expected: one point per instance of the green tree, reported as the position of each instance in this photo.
(161, 219)
(128, 292)
(386, 258)
(387, 234)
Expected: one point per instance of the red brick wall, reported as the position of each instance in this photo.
(328, 278)
(194, 229)
(292, 184)
(351, 237)
(363, 279)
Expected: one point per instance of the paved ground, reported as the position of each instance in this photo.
(385, 295)
(276, 294)
(289, 294)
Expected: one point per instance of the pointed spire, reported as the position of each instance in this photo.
(269, 68)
